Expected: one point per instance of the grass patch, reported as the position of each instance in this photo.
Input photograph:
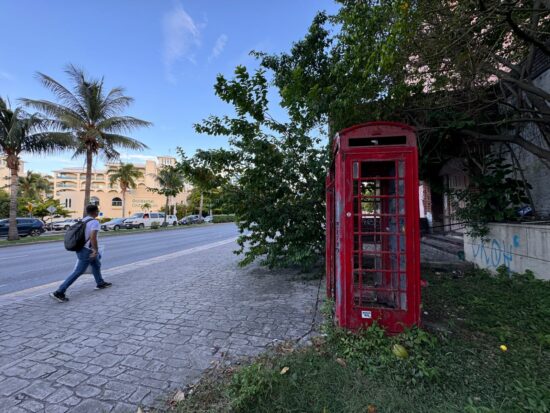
(456, 366)
(52, 238)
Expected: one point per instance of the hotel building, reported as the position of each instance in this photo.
(69, 183)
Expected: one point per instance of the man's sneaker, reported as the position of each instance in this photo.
(103, 285)
(59, 297)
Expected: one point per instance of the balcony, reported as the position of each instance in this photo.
(66, 185)
(66, 176)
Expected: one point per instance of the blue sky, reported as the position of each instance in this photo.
(166, 53)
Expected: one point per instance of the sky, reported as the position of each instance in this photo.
(165, 53)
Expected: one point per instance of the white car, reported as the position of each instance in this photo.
(208, 218)
(172, 220)
(64, 225)
(143, 220)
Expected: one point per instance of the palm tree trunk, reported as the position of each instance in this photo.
(200, 205)
(165, 211)
(13, 234)
(123, 201)
(88, 187)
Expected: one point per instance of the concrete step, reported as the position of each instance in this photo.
(449, 238)
(444, 244)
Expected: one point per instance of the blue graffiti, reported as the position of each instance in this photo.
(500, 253)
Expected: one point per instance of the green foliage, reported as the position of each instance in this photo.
(4, 204)
(493, 195)
(456, 367)
(33, 186)
(125, 175)
(155, 225)
(40, 208)
(272, 177)
(218, 219)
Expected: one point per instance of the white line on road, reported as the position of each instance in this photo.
(43, 289)
(14, 256)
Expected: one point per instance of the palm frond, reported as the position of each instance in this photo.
(121, 141)
(117, 124)
(60, 112)
(69, 100)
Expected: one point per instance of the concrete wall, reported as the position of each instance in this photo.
(518, 247)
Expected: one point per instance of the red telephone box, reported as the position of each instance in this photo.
(373, 242)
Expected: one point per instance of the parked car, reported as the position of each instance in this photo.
(25, 226)
(64, 225)
(143, 219)
(48, 222)
(191, 219)
(172, 220)
(113, 225)
(208, 218)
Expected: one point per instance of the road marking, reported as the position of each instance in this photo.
(114, 271)
(14, 256)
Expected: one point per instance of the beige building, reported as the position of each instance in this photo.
(69, 184)
(5, 173)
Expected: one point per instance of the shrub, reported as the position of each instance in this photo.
(218, 219)
(155, 225)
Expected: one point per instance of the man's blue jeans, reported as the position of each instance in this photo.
(83, 261)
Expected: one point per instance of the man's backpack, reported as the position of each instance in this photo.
(75, 237)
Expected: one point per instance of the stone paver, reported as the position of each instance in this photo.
(153, 332)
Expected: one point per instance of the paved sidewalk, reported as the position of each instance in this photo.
(161, 324)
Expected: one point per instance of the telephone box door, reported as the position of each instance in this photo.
(382, 250)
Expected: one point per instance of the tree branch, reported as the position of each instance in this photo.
(516, 139)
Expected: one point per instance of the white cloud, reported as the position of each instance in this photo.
(181, 38)
(6, 75)
(218, 47)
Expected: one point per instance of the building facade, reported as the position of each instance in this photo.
(5, 173)
(69, 184)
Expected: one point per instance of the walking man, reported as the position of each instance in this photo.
(88, 255)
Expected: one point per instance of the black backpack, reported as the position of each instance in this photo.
(75, 237)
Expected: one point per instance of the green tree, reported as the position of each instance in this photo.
(21, 132)
(40, 209)
(170, 182)
(273, 175)
(93, 115)
(146, 206)
(33, 186)
(201, 171)
(4, 203)
(125, 175)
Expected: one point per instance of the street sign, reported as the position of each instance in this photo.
(51, 209)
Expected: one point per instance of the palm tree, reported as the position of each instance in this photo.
(125, 175)
(22, 132)
(170, 182)
(33, 185)
(93, 115)
(146, 206)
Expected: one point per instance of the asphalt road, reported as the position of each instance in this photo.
(25, 266)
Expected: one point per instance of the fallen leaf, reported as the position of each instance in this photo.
(341, 362)
(179, 396)
(371, 408)
(284, 370)
(139, 410)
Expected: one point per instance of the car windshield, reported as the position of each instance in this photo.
(137, 215)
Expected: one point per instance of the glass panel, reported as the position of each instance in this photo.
(379, 261)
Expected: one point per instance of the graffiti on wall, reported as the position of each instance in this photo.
(495, 253)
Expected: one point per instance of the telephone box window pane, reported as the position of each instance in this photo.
(378, 169)
(401, 206)
(355, 170)
(401, 168)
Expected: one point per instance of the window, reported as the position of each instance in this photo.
(153, 215)
(116, 202)
(94, 200)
